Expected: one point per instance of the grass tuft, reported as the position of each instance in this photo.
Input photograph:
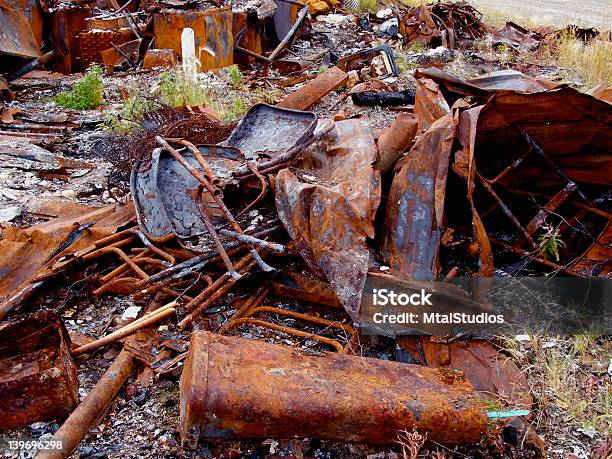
(178, 91)
(362, 6)
(589, 61)
(87, 93)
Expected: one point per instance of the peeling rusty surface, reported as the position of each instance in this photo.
(314, 91)
(38, 379)
(429, 103)
(596, 260)
(413, 221)
(213, 34)
(231, 389)
(328, 207)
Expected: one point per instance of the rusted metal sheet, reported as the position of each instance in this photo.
(596, 260)
(485, 85)
(328, 203)
(395, 140)
(267, 131)
(234, 388)
(429, 103)
(552, 120)
(312, 92)
(38, 379)
(160, 58)
(16, 36)
(27, 251)
(213, 34)
(65, 25)
(413, 221)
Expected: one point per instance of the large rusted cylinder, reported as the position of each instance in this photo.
(237, 388)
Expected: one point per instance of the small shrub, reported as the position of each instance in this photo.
(131, 116)
(177, 91)
(237, 108)
(235, 76)
(86, 93)
(551, 243)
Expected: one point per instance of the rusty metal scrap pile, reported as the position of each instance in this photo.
(275, 229)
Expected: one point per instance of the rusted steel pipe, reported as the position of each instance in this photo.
(215, 291)
(87, 413)
(197, 154)
(125, 331)
(236, 388)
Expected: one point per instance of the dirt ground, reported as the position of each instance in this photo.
(589, 13)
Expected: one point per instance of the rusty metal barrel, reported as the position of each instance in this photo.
(237, 388)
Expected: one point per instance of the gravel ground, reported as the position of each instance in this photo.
(590, 13)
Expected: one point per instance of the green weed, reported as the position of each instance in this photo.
(177, 91)
(551, 243)
(235, 76)
(86, 93)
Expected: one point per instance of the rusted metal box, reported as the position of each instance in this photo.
(237, 388)
(213, 34)
(38, 379)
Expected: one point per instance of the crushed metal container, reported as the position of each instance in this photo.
(236, 388)
(38, 379)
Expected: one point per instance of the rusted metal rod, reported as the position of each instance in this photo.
(125, 331)
(199, 261)
(215, 237)
(289, 331)
(197, 154)
(272, 246)
(234, 388)
(506, 210)
(215, 291)
(251, 302)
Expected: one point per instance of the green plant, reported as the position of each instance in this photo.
(551, 242)
(235, 76)
(131, 115)
(365, 5)
(86, 93)
(404, 65)
(415, 48)
(236, 109)
(178, 91)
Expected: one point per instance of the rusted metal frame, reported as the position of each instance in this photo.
(540, 152)
(252, 301)
(290, 331)
(195, 173)
(197, 154)
(266, 166)
(145, 321)
(272, 246)
(215, 237)
(535, 258)
(286, 39)
(198, 262)
(215, 291)
(510, 168)
(87, 256)
(113, 282)
(506, 210)
(551, 206)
